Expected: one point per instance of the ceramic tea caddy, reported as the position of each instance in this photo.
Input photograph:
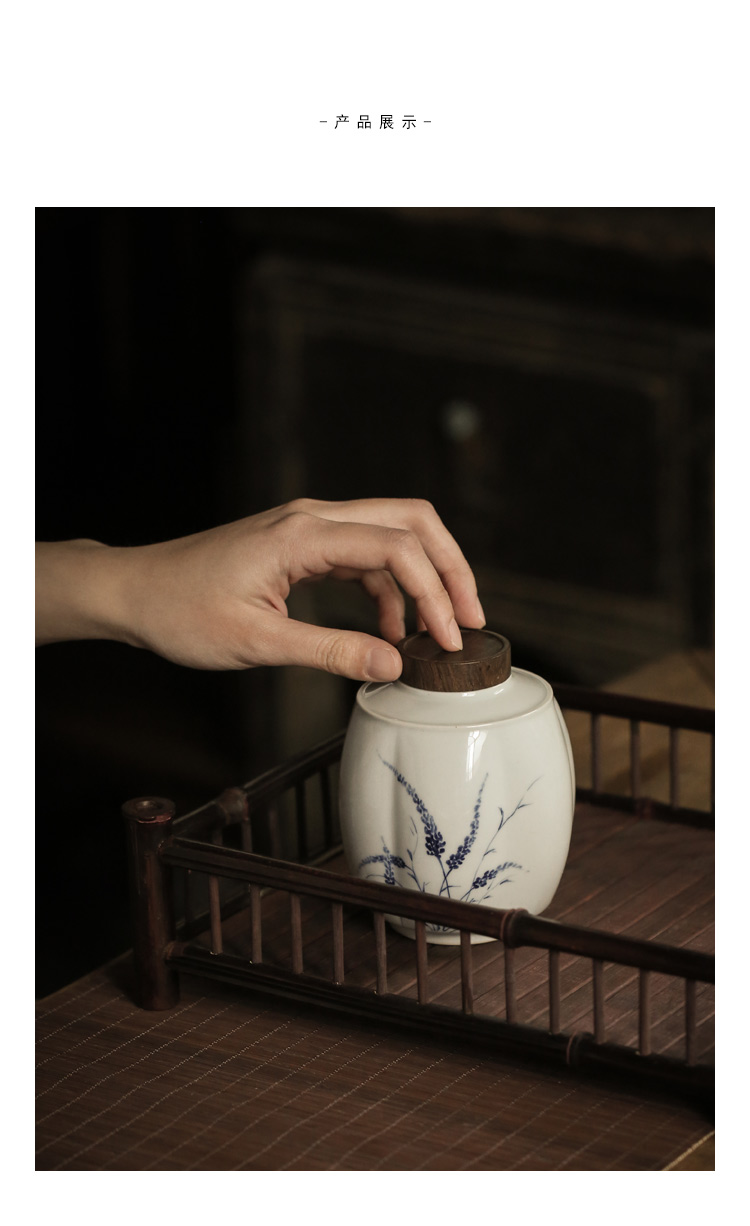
(458, 780)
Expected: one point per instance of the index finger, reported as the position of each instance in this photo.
(420, 517)
(321, 545)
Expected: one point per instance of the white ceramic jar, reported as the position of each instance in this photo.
(458, 780)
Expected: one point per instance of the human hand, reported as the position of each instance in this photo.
(217, 599)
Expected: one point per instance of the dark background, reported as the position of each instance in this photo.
(543, 376)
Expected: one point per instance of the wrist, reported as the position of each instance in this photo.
(81, 591)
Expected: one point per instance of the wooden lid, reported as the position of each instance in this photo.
(484, 661)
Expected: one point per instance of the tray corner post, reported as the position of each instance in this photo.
(149, 821)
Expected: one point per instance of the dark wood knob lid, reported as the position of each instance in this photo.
(483, 661)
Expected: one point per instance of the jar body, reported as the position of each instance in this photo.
(436, 796)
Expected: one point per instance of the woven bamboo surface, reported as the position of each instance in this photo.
(237, 1081)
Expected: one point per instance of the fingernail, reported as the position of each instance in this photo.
(383, 665)
(455, 635)
(480, 613)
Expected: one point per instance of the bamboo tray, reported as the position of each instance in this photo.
(617, 978)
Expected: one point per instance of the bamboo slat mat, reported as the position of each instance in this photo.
(238, 1081)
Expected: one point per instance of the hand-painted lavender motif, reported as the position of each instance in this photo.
(486, 876)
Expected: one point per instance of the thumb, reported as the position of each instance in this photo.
(347, 653)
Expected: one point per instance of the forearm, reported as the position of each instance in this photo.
(81, 590)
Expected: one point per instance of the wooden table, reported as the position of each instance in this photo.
(237, 1081)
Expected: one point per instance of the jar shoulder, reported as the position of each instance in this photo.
(521, 695)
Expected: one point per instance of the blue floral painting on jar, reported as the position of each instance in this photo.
(489, 870)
